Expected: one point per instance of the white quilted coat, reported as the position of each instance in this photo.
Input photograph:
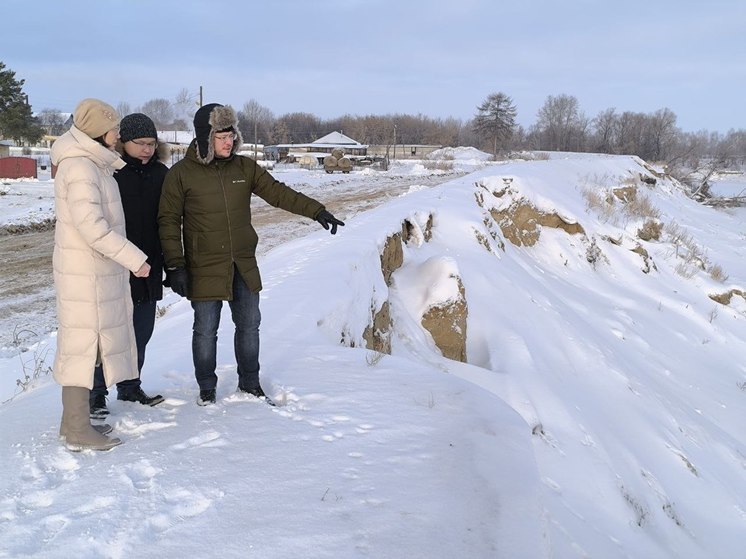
(92, 262)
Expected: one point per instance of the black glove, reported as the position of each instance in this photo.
(326, 219)
(178, 280)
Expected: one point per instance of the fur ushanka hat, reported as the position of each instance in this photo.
(209, 120)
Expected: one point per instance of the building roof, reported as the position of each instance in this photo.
(337, 139)
(329, 142)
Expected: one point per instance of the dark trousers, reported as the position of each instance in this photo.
(246, 317)
(143, 319)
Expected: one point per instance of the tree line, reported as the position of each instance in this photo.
(560, 125)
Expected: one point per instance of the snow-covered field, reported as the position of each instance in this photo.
(600, 413)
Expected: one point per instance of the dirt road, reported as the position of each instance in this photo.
(27, 304)
(27, 300)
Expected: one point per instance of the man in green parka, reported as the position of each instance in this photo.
(209, 244)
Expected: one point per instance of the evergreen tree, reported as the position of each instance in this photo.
(495, 120)
(10, 88)
(16, 119)
(18, 123)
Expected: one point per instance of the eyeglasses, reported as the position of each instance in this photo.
(147, 145)
(225, 137)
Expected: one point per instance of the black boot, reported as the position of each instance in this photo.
(97, 406)
(258, 393)
(206, 397)
(137, 395)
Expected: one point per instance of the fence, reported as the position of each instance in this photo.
(17, 168)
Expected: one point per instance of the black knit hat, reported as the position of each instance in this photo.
(136, 125)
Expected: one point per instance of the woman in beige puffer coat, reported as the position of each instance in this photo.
(92, 262)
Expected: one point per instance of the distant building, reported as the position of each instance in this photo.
(176, 137)
(5, 148)
(255, 151)
(319, 148)
(403, 151)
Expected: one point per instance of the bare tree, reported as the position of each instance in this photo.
(368, 129)
(185, 105)
(697, 157)
(52, 121)
(280, 132)
(467, 136)
(735, 143)
(124, 109)
(301, 127)
(560, 124)
(629, 132)
(256, 122)
(161, 112)
(445, 132)
(603, 127)
(353, 126)
(662, 134)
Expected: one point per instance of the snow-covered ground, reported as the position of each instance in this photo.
(24, 201)
(600, 413)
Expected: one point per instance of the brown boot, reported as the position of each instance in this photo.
(76, 424)
(103, 428)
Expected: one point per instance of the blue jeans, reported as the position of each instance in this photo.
(143, 320)
(246, 317)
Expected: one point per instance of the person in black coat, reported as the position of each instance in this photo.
(140, 183)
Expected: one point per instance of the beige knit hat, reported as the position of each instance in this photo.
(95, 118)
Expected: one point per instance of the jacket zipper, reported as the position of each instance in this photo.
(227, 217)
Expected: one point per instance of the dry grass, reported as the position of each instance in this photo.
(693, 255)
(598, 203)
(617, 200)
(34, 364)
(440, 165)
(641, 207)
(650, 231)
(373, 358)
(678, 235)
(717, 273)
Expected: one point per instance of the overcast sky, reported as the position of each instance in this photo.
(432, 57)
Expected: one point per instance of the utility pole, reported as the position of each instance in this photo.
(255, 140)
(200, 96)
(394, 141)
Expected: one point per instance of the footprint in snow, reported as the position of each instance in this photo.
(134, 427)
(206, 439)
(141, 474)
(182, 503)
